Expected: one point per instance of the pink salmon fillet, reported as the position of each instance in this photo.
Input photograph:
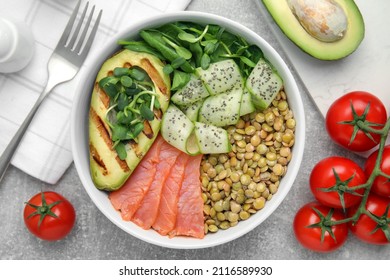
(167, 211)
(148, 210)
(190, 220)
(129, 197)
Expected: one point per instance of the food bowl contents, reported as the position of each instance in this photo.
(226, 129)
(325, 29)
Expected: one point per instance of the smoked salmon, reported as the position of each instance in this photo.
(148, 210)
(129, 197)
(167, 210)
(164, 193)
(189, 220)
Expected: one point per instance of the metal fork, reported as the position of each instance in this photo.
(63, 65)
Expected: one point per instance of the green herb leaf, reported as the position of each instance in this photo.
(140, 46)
(181, 51)
(137, 129)
(120, 132)
(168, 69)
(107, 81)
(126, 81)
(188, 37)
(133, 90)
(122, 101)
(205, 61)
(210, 47)
(146, 113)
(180, 79)
(121, 71)
(138, 74)
(247, 61)
(120, 148)
(112, 90)
(123, 118)
(178, 62)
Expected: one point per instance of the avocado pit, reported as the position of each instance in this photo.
(324, 20)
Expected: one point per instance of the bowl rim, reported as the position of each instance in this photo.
(289, 82)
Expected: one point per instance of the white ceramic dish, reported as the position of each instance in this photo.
(79, 133)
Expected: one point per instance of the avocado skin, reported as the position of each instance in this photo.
(290, 26)
(108, 172)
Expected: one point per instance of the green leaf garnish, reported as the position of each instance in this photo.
(205, 61)
(138, 74)
(120, 148)
(126, 81)
(180, 79)
(146, 113)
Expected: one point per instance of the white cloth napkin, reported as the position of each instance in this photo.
(45, 152)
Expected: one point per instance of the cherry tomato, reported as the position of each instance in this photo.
(331, 178)
(367, 229)
(49, 216)
(310, 237)
(381, 184)
(342, 110)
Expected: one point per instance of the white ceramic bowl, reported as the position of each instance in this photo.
(79, 133)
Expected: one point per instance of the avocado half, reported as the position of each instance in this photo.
(108, 171)
(291, 27)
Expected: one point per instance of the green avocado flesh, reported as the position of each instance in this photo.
(291, 27)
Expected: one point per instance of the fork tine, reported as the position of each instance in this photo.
(88, 44)
(82, 37)
(69, 26)
(76, 32)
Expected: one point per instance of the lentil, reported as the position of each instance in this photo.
(238, 184)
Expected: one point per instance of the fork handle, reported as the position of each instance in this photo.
(9, 151)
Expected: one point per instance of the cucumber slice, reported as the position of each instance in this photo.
(264, 84)
(192, 146)
(221, 76)
(222, 109)
(176, 128)
(192, 110)
(247, 106)
(193, 91)
(212, 139)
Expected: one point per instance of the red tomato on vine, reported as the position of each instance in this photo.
(351, 118)
(331, 180)
(369, 230)
(313, 230)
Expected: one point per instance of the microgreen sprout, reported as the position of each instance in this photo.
(132, 101)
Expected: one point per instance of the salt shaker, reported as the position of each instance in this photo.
(16, 45)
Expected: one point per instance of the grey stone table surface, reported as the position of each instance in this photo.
(95, 237)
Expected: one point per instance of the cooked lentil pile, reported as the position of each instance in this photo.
(238, 184)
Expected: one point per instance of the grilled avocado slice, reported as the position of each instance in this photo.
(108, 171)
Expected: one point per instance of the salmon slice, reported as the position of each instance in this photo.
(148, 210)
(167, 210)
(129, 197)
(189, 221)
